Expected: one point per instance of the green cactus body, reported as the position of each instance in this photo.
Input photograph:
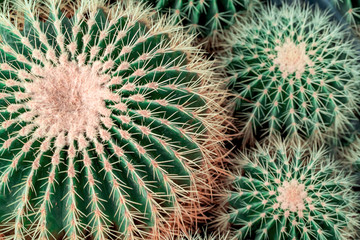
(103, 124)
(206, 17)
(293, 72)
(290, 193)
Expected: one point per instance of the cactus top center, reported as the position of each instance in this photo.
(68, 99)
(292, 58)
(292, 195)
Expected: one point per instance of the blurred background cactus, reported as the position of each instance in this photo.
(292, 71)
(349, 9)
(206, 17)
(104, 123)
(289, 192)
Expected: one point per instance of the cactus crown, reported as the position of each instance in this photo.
(290, 192)
(104, 120)
(292, 71)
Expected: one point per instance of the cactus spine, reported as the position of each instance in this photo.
(104, 123)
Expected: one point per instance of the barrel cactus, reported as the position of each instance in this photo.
(104, 123)
(292, 71)
(284, 191)
(206, 17)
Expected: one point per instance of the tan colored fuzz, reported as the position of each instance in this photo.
(68, 98)
(291, 196)
(292, 58)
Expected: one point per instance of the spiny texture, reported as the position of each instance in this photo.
(347, 148)
(349, 154)
(206, 17)
(291, 71)
(104, 123)
(286, 192)
(207, 237)
(350, 9)
(204, 235)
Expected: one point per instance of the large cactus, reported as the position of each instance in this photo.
(293, 71)
(104, 123)
(206, 17)
(290, 192)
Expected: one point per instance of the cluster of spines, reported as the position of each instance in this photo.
(289, 191)
(137, 102)
(292, 71)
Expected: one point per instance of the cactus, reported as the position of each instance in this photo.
(346, 149)
(284, 191)
(206, 17)
(104, 123)
(350, 9)
(292, 71)
(349, 154)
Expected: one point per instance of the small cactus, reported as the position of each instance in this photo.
(290, 192)
(206, 17)
(104, 123)
(292, 71)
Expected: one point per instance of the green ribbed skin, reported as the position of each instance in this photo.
(102, 124)
(283, 193)
(206, 17)
(293, 73)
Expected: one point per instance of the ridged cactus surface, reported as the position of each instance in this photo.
(293, 72)
(104, 123)
(206, 17)
(283, 192)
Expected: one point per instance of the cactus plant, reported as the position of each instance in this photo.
(206, 17)
(292, 70)
(104, 123)
(287, 191)
(350, 9)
